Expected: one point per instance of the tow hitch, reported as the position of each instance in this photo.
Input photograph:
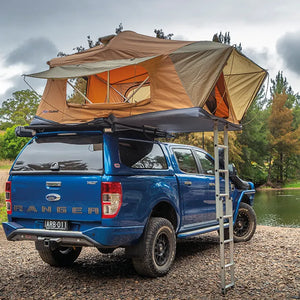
(52, 244)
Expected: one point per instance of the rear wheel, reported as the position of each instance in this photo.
(157, 249)
(60, 257)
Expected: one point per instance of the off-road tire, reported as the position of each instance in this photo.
(245, 224)
(60, 257)
(157, 249)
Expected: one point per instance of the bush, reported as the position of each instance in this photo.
(3, 215)
(10, 144)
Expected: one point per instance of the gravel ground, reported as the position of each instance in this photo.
(267, 267)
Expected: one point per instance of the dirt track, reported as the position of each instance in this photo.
(267, 267)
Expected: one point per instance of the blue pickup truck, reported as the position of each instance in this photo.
(71, 189)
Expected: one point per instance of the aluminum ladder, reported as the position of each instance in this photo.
(224, 212)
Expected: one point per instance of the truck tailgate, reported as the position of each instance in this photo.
(63, 197)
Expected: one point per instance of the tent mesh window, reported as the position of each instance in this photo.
(130, 84)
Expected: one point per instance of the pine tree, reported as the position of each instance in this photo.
(284, 141)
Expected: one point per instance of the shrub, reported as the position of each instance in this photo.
(10, 144)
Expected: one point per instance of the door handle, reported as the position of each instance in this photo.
(212, 184)
(188, 183)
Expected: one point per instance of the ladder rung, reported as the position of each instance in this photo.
(229, 285)
(228, 241)
(229, 265)
(223, 195)
(223, 171)
(222, 146)
(227, 216)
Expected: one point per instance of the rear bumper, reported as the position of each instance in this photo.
(97, 237)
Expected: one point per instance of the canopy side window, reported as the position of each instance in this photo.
(141, 155)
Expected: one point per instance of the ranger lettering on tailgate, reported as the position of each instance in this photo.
(58, 209)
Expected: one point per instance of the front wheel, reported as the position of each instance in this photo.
(157, 249)
(60, 257)
(245, 223)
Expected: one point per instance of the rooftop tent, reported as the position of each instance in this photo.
(134, 74)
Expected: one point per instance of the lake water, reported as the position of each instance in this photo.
(278, 208)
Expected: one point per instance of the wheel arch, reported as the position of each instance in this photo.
(165, 209)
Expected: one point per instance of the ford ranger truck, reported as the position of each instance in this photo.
(67, 190)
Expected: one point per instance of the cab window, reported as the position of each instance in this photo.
(186, 160)
(207, 163)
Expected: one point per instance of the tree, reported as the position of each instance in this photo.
(280, 85)
(10, 145)
(119, 29)
(253, 142)
(20, 109)
(284, 141)
(225, 39)
(161, 35)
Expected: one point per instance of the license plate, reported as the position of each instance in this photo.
(56, 225)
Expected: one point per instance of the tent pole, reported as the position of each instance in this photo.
(102, 80)
(78, 91)
(138, 88)
(107, 93)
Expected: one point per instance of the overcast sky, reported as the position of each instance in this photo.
(33, 31)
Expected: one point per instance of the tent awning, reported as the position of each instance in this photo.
(80, 70)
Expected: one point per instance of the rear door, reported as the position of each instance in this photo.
(196, 189)
(58, 177)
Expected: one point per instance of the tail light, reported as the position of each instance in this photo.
(111, 199)
(8, 197)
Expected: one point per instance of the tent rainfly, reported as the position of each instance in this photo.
(133, 74)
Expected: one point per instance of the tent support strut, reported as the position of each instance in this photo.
(78, 91)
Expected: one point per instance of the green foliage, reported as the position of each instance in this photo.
(284, 141)
(20, 109)
(292, 185)
(10, 144)
(254, 143)
(280, 85)
(3, 214)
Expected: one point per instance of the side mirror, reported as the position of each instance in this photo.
(232, 170)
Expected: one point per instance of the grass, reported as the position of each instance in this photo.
(295, 184)
(5, 164)
(3, 215)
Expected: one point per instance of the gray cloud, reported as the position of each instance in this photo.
(261, 57)
(288, 47)
(33, 52)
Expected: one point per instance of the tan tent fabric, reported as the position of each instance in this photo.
(127, 44)
(73, 71)
(177, 74)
